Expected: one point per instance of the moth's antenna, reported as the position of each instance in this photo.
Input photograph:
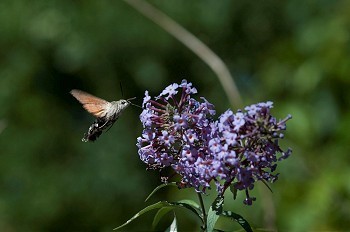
(121, 88)
(129, 100)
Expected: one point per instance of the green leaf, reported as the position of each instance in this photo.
(183, 204)
(214, 213)
(160, 214)
(238, 218)
(173, 226)
(157, 205)
(159, 187)
(234, 191)
(192, 204)
(161, 204)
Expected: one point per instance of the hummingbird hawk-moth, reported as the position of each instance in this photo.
(106, 112)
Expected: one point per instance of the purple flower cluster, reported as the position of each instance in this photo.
(236, 150)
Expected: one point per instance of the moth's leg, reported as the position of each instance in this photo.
(112, 122)
(102, 120)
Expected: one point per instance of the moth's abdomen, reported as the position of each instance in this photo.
(93, 133)
(96, 129)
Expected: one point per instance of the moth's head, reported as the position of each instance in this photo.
(124, 103)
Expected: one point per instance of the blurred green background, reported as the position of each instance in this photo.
(295, 53)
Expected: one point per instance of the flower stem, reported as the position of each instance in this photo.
(204, 215)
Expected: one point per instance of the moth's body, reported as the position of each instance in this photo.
(106, 113)
(112, 110)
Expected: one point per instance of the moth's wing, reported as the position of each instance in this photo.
(92, 104)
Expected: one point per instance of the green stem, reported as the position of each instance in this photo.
(204, 215)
